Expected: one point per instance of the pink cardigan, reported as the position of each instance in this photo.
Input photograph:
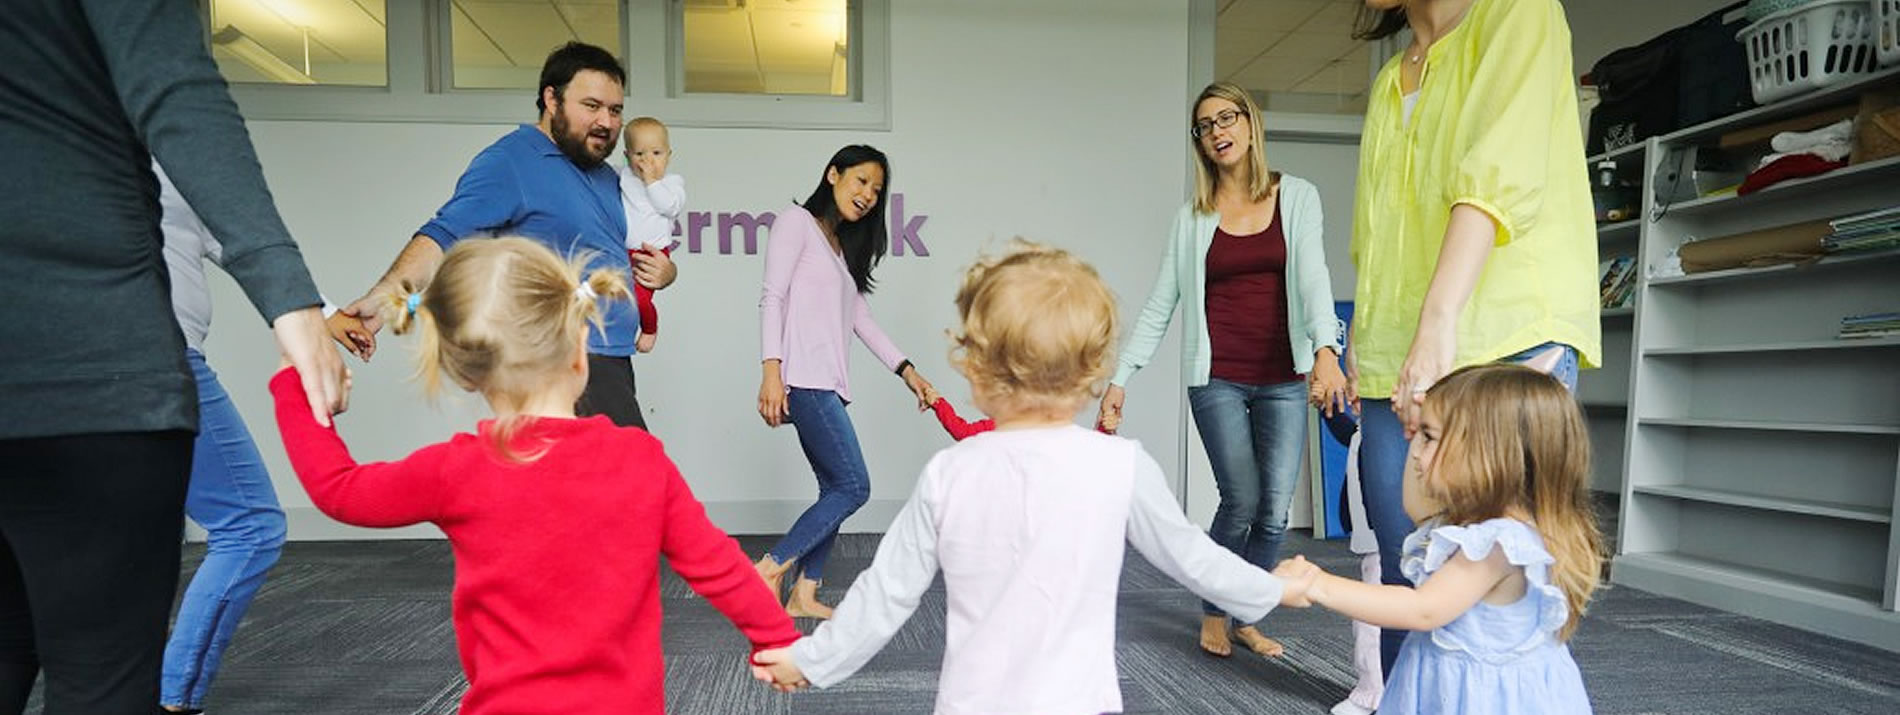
(807, 304)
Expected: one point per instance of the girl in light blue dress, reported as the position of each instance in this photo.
(1505, 557)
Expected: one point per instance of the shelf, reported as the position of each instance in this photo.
(1605, 407)
(1616, 154)
(1888, 168)
(1786, 109)
(1832, 260)
(1875, 429)
(1831, 510)
(1622, 229)
(1810, 590)
(1614, 313)
(1835, 344)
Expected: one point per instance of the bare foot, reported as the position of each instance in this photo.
(1214, 636)
(773, 573)
(804, 601)
(1258, 642)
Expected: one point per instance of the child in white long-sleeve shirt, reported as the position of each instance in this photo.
(1027, 521)
(653, 199)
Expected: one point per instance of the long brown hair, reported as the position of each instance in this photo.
(1378, 24)
(1206, 174)
(500, 318)
(1513, 440)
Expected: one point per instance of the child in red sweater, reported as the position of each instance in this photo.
(557, 523)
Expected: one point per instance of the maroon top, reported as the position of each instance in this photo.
(1246, 307)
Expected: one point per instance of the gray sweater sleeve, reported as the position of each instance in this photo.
(179, 105)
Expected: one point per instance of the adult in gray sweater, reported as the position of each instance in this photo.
(97, 402)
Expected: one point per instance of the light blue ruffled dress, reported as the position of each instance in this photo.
(1492, 659)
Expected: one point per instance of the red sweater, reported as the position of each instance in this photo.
(960, 430)
(557, 582)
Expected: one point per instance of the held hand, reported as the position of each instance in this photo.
(645, 342)
(772, 403)
(1326, 387)
(654, 269)
(348, 331)
(1298, 577)
(1429, 360)
(1109, 419)
(930, 395)
(302, 340)
(775, 666)
(368, 313)
(919, 387)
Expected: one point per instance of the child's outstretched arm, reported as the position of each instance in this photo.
(713, 565)
(882, 598)
(1450, 591)
(383, 494)
(954, 424)
(1164, 536)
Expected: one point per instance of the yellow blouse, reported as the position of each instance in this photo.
(1495, 127)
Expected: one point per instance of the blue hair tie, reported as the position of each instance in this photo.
(415, 299)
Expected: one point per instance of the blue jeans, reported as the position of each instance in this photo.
(1254, 435)
(231, 497)
(844, 483)
(1382, 451)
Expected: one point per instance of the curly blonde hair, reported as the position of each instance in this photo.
(500, 317)
(1038, 327)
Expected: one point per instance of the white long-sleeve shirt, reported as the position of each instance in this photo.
(651, 208)
(1028, 527)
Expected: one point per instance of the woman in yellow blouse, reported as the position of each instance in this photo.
(1472, 232)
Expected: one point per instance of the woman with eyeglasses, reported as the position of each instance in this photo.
(1247, 268)
(1473, 232)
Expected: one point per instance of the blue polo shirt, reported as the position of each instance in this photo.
(522, 185)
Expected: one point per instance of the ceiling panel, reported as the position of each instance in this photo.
(798, 41)
(1276, 75)
(1268, 15)
(1317, 46)
(595, 22)
(1233, 48)
(1336, 78)
(471, 47)
(719, 41)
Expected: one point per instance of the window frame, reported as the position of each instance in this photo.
(420, 85)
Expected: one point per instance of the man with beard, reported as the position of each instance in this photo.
(547, 181)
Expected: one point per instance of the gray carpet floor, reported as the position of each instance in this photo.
(363, 627)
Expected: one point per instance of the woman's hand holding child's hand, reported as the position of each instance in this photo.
(776, 668)
(1300, 579)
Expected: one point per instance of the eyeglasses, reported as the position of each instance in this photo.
(1225, 119)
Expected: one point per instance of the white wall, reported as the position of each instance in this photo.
(1059, 121)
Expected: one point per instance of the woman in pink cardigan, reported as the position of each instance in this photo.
(818, 265)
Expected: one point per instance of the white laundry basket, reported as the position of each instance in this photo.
(1887, 31)
(1809, 47)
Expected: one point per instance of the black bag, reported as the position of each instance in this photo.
(1685, 76)
(1714, 70)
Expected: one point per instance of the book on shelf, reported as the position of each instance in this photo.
(1616, 281)
(1871, 325)
(1871, 231)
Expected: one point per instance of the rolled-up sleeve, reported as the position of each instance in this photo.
(1504, 120)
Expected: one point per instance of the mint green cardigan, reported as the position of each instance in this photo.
(1182, 280)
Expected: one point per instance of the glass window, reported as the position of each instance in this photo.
(769, 47)
(500, 44)
(337, 42)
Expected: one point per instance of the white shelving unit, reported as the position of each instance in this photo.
(1605, 391)
(1759, 454)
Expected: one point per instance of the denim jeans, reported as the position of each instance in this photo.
(1255, 436)
(230, 495)
(844, 483)
(1382, 451)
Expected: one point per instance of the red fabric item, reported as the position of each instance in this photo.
(557, 581)
(960, 430)
(955, 425)
(1785, 168)
(1246, 307)
(643, 296)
